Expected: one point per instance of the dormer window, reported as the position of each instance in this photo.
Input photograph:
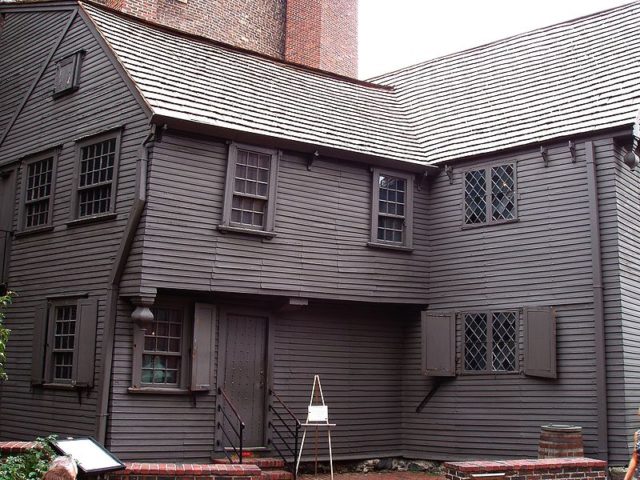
(67, 78)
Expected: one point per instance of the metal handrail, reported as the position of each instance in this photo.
(292, 433)
(237, 431)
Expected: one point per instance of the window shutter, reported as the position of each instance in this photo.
(438, 344)
(39, 344)
(86, 338)
(540, 342)
(203, 348)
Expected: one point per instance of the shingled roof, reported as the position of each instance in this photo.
(189, 78)
(567, 79)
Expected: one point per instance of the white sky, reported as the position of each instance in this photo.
(397, 33)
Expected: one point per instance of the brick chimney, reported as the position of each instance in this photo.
(316, 33)
(323, 34)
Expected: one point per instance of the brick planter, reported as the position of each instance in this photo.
(547, 469)
(171, 471)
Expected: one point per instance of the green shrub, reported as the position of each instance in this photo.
(31, 465)
(5, 301)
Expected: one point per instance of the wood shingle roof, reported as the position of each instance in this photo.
(567, 79)
(189, 78)
(571, 78)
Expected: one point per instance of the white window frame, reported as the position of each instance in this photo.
(407, 234)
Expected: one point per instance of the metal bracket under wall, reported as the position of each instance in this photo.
(312, 158)
(448, 169)
(572, 151)
(544, 153)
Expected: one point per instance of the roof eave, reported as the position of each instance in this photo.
(198, 128)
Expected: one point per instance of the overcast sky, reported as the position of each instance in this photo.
(397, 33)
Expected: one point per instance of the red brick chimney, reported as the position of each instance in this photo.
(323, 34)
(316, 33)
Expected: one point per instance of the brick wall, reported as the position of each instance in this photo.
(547, 469)
(323, 34)
(170, 471)
(319, 33)
(256, 25)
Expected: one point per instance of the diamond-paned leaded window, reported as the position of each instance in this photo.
(95, 184)
(250, 196)
(503, 202)
(162, 354)
(490, 195)
(37, 196)
(490, 341)
(391, 209)
(64, 342)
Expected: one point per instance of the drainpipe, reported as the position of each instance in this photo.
(598, 304)
(113, 288)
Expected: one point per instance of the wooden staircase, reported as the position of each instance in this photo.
(272, 468)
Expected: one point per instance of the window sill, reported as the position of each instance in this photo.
(491, 224)
(388, 246)
(246, 231)
(64, 386)
(92, 219)
(158, 390)
(33, 231)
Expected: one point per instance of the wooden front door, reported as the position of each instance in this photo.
(244, 371)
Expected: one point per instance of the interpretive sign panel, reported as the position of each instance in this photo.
(90, 455)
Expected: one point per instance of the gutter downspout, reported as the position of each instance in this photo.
(113, 288)
(598, 304)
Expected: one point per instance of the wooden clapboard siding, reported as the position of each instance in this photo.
(21, 61)
(151, 426)
(622, 317)
(543, 259)
(322, 221)
(357, 351)
(67, 260)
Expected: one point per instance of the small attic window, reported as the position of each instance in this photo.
(67, 74)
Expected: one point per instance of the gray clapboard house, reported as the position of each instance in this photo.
(451, 247)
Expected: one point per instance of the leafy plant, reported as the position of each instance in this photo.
(5, 301)
(31, 465)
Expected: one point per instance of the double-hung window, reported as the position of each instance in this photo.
(490, 195)
(250, 189)
(37, 191)
(97, 173)
(490, 341)
(392, 209)
(64, 337)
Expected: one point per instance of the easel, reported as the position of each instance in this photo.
(317, 416)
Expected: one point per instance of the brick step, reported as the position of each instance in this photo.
(276, 475)
(265, 463)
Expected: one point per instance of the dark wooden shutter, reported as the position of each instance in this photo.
(438, 344)
(203, 347)
(7, 208)
(39, 346)
(540, 342)
(87, 320)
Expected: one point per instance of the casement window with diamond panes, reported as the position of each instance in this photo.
(96, 176)
(250, 189)
(490, 195)
(37, 191)
(391, 209)
(490, 341)
(64, 338)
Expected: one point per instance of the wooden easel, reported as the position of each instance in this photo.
(317, 416)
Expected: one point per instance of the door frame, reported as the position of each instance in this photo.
(224, 312)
